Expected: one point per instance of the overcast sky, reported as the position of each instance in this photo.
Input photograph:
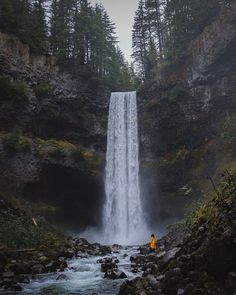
(121, 12)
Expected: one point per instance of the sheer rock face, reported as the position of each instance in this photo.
(181, 123)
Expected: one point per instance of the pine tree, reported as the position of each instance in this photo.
(39, 27)
(62, 22)
(140, 39)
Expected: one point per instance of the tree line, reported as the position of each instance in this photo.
(73, 30)
(163, 29)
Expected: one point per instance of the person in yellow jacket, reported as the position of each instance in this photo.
(153, 243)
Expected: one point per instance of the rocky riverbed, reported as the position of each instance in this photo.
(83, 268)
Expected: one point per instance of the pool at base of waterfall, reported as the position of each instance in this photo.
(83, 276)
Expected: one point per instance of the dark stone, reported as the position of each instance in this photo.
(7, 275)
(230, 281)
(115, 274)
(3, 259)
(104, 260)
(17, 288)
(38, 268)
(20, 267)
(106, 266)
(68, 254)
(23, 279)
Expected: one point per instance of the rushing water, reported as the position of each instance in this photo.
(123, 220)
(84, 277)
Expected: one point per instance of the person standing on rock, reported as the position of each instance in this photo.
(153, 243)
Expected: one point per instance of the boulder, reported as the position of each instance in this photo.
(23, 279)
(104, 260)
(38, 268)
(115, 274)
(106, 266)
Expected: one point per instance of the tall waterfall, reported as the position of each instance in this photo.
(123, 220)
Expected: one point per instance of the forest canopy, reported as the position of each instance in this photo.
(163, 29)
(74, 31)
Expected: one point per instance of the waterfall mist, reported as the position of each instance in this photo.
(123, 218)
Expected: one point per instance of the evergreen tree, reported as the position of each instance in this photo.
(140, 39)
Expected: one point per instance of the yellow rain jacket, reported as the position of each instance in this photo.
(153, 243)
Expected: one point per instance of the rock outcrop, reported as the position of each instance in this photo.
(52, 134)
(184, 111)
(204, 262)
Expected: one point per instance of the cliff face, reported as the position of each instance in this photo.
(184, 114)
(52, 135)
(60, 99)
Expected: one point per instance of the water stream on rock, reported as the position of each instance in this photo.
(84, 276)
(123, 219)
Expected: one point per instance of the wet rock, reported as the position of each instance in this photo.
(171, 254)
(104, 260)
(115, 274)
(150, 268)
(160, 277)
(153, 281)
(20, 267)
(8, 275)
(59, 264)
(23, 279)
(38, 268)
(144, 250)
(69, 253)
(17, 288)
(106, 266)
(62, 277)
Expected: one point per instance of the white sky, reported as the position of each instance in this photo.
(121, 12)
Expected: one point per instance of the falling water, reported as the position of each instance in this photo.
(123, 219)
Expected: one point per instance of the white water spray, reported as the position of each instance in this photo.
(123, 220)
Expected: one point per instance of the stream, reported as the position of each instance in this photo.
(84, 276)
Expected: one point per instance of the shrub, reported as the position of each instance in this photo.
(56, 152)
(19, 232)
(13, 142)
(14, 94)
(25, 144)
(42, 90)
(10, 142)
(77, 155)
(177, 92)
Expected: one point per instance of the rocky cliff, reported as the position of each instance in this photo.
(52, 134)
(187, 118)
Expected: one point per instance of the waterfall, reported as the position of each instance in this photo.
(123, 220)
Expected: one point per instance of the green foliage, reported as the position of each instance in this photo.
(26, 20)
(13, 142)
(77, 155)
(42, 90)
(169, 26)
(19, 232)
(14, 94)
(209, 209)
(177, 92)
